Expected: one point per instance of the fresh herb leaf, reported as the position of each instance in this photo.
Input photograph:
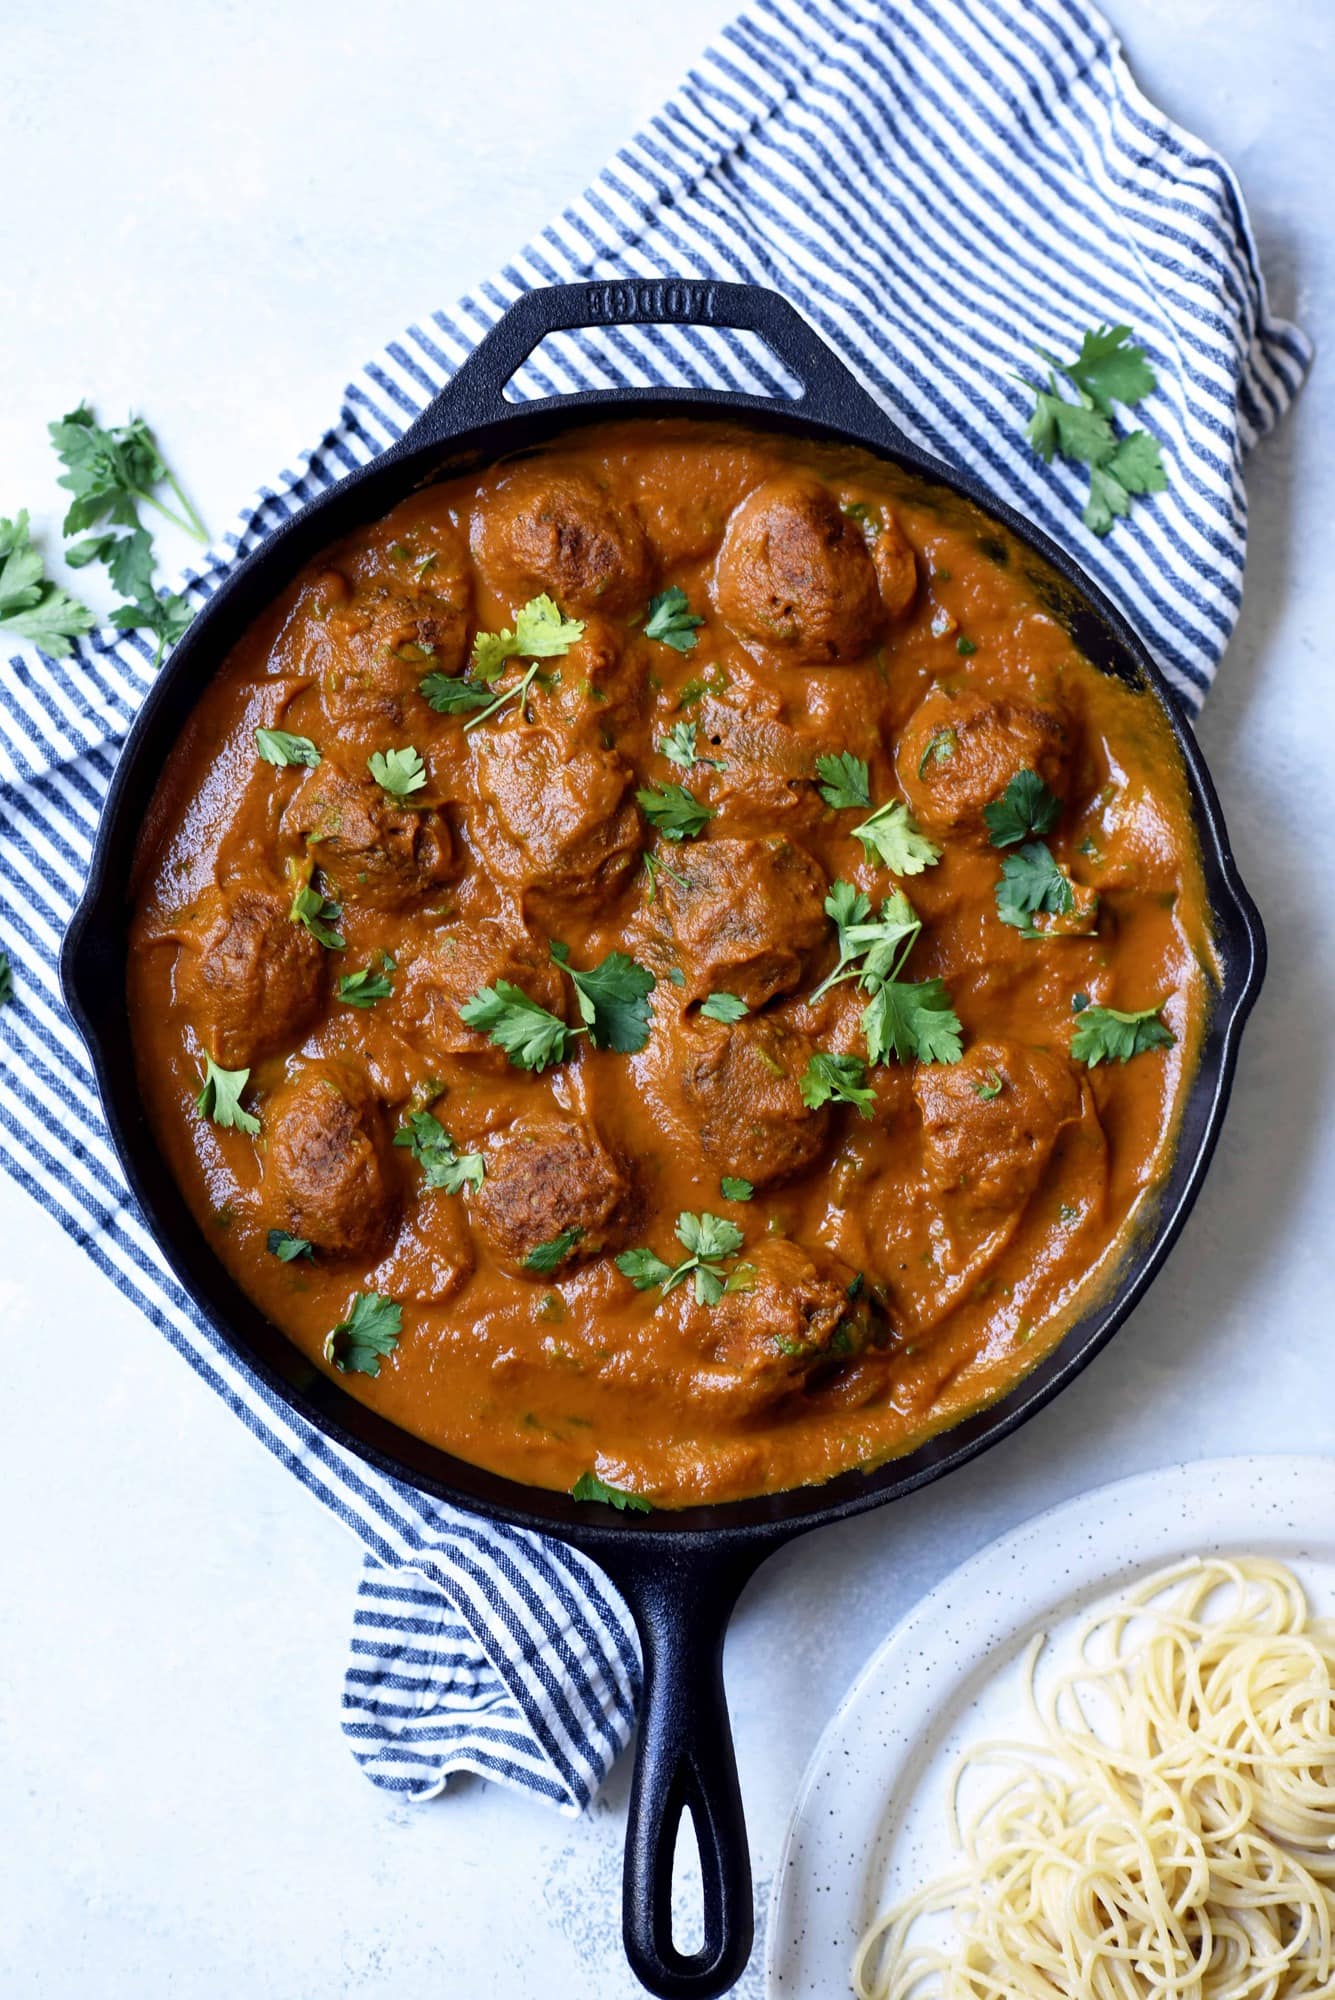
(312, 910)
(724, 1007)
(707, 1239)
(540, 633)
(941, 747)
(1025, 808)
(891, 835)
(1136, 466)
(529, 1035)
(288, 1248)
(734, 1188)
(870, 948)
(845, 781)
(590, 1487)
(672, 621)
(370, 1331)
(111, 473)
(989, 1088)
(912, 1020)
(654, 866)
(277, 747)
(613, 999)
(1109, 368)
(965, 646)
(679, 747)
(673, 811)
(397, 772)
(31, 605)
(843, 1078)
(450, 694)
(364, 988)
(548, 1255)
(1033, 883)
(1105, 1034)
(867, 518)
(220, 1098)
(442, 1164)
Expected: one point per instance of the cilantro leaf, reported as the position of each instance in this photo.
(679, 747)
(870, 948)
(1136, 466)
(989, 1088)
(734, 1188)
(673, 811)
(370, 1331)
(449, 694)
(277, 747)
(1070, 430)
(707, 1239)
(1033, 883)
(312, 910)
(941, 746)
(1106, 1034)
(398, 772)
(442, 1164)
(672, 621)
(529, 1035)
(288, 1248)
(220, 1098)
(364, 988)
(112, 472)
(724, 1007)
(913, 1021)
(1109, 368)
(840, 1077)
(31, 605)
(1026, 807)
(540, 633)
(845, 781)
(590, 1487)
(891, 835)
(613, 999)
(546, 1256)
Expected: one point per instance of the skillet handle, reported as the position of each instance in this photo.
(684, 1763)
(475, 394)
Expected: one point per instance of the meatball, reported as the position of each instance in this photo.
(568, 828)
(603, 686)
(794, 573)
(801, 1312)
(746, 915)
(543, 529)
(250, 979)
(327, 1161)
(370, 850)
(990, 1122)
(740, 1088)
(959, 751)
(459, 964)
(768, 764)
(545, 1179)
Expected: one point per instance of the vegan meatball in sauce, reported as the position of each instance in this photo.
(651, 964)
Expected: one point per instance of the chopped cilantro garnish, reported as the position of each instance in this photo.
(734, 1188)
(891, 836)
(965, 646)
(707, 1240)
(529, 1035)
(840, 1077)
(442, 1164)
(679, 747)
(912, 1020)
(590, 1487)
(941, 747)
(288, 1248)
(672, 621)
(673, 811)
(398, 772)
(725, 1007)
(613, 999)
(546, 1256)
(844, 781)
(220, 1098)
(277, 747)
(452, 694)
(1025, 808)
(989, 1087)
(1105, 1034)
(364, 988)
(540, 633)
(370, 1331)
(1033, 883)
(312, 910)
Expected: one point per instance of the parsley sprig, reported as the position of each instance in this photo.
(1026, 808)
(891, 836)
(841, 1078)
(845, 782)
(1036, 896)
(1109, 369)
(371, 1330)
(551, 1254)
(442, 1164)
(909, 1019)
(1106, 1034)
(399, 773)
(613, 999)
(540, 632)
(31, 605)
(707, 1240)
(674, 812)
(220, 1098)
(672, 621)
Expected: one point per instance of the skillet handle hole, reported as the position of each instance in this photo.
(637, 357)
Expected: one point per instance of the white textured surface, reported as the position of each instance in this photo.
(213, 213)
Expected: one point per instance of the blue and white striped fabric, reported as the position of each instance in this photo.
(940, 186)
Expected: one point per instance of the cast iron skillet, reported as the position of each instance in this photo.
(681, 1573)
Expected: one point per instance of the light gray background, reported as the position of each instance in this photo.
(212, 213)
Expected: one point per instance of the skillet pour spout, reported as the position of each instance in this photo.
(681, 1573)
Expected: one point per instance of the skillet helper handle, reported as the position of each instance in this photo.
(684, 1763)
(475, 395)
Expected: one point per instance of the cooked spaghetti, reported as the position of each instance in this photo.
(1170, 1835)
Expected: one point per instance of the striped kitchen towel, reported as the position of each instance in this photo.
(940, 186)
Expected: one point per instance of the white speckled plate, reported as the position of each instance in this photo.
(870, 1820)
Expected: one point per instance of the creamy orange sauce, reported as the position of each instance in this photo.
(970, 1223)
